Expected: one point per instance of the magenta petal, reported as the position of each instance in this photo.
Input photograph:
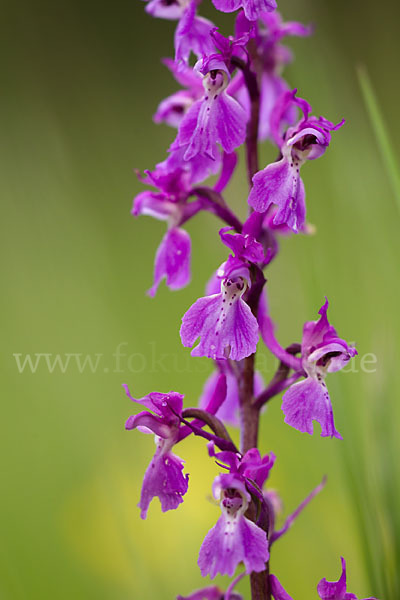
(153, 204)
(314, 332)
(163, 478)
(187, 127)
(227, 5)
(218, 118)
(272, 87)
(307, 401)
(198, 168)
(243, 246)
(229, 162)
(253, 9)
(333, 590)
(277, 590)
(217, 395)
(280, 183)
(231, 541)
(172, 260)
(165, 405)
(209, 593)
(256, 468)
(172, 109)
(321, 347)
(171, 10)
(336, 590)
(186, 76)
(226, 329)
(231, 123)
(152, 423)
(192, 35)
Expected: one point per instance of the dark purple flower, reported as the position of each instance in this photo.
(336, 590)
(280, 183)
(163, 477)
(234, 539)
(224, 322)
(215, 119)
(172, 110)
(253, 9)
(229, 411)
(322, 352)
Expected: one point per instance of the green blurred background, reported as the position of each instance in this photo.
(79, 84)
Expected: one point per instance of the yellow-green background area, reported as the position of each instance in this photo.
(79, 84)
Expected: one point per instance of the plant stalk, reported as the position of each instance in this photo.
(249, 411)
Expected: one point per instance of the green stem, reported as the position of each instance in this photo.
(380, 131)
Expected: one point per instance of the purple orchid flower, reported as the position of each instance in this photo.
(199, 167)
(255, 469)
(280, 183)
(208, 593)
(252, 468)
(234, 539)
(244, 246)
(273, 57)
(229, 411)
(215, 593)
(215, 119)
(336, 590)
(169, 204)
(172, 260)
(228, 47)
(322, 352)
(172, 110)
(192, 34)
(163, 477)
(253, 9)
(224, 322)
(171, 10)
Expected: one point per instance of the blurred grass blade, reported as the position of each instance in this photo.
(380, 131)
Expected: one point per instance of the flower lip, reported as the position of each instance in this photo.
(324, 360)
(331, 356)
(215, 81)
(228, 485)
(234, 268)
